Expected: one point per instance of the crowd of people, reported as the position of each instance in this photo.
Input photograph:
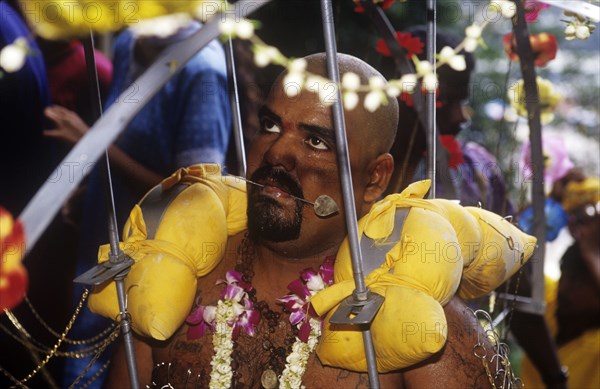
(291, 162)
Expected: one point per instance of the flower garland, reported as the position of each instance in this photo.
(235, 311)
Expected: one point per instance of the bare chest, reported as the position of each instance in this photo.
(257, 360)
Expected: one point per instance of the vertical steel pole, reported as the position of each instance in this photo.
(432, 164)
(238, 130)
(532, 103)
(360, 292)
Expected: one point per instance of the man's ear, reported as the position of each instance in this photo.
(380, 172)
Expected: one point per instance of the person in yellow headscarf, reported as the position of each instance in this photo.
(573, 302)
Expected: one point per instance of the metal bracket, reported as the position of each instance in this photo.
(525, 304)
(358, 312)
(114, 268)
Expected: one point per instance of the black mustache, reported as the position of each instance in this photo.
(268, 175)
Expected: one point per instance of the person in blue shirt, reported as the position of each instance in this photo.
(187, 122)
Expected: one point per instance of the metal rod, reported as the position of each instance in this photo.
(345, 173)
(96, 104)
(116, 255)
(238, 129)
(432, 164)
(532, 103)
(126, 331)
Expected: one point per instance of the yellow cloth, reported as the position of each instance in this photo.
(189, 243)
(578, 193)
(580, 355)
(443, 248)
(60, 19)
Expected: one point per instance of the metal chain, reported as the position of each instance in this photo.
(113, 336)
(67, 340)
(81, 353)
(58, 343)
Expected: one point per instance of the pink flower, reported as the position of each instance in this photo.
(533, 9)
(246, 317)
(557, 162)
(236, 288)
(201, 319)
(298, 302)
(247, 320)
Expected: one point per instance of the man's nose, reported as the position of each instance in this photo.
(283, 152)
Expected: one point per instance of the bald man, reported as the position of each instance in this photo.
(294, 154)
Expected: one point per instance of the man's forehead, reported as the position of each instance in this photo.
(306, 104)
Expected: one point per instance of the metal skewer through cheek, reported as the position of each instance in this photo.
(323, 206)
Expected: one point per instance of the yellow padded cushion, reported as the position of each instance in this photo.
(439, 241)
(190, 241)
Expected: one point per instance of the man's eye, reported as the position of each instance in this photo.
(270, 126)
(317, 143)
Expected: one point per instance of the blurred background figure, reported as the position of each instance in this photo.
(23, 96)
(27, 158)
(187, 122)
(473, 175)
(68, 78)
(573, 302)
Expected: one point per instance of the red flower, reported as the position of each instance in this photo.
(385, 4)
(544, 47)
(408, 99)
(533, 9)
(411, 44)
(13, 276)
(455, 154)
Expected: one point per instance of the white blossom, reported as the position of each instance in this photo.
(13, 56)
(373, 101)
(376, 83)
(424, 68)
(297, 66)
(393, 90)
(473, 31)
(227, 26)
(244, 29)
(292, 84)
(446, 54)
(455, 61)
(350, 100)
(409, 83)
(582, 32)
(350, 81)
(430, 82)
(507, 8)
(458, 63)
(263, 55)
(470, 45)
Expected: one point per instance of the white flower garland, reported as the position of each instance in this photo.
(221, 374)
(295, 366)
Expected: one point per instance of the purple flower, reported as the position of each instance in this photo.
(235, 292)
(247, 320)
(298, 301)
(236, 288)
(201, 319)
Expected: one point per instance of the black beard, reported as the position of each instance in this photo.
(267, 219)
